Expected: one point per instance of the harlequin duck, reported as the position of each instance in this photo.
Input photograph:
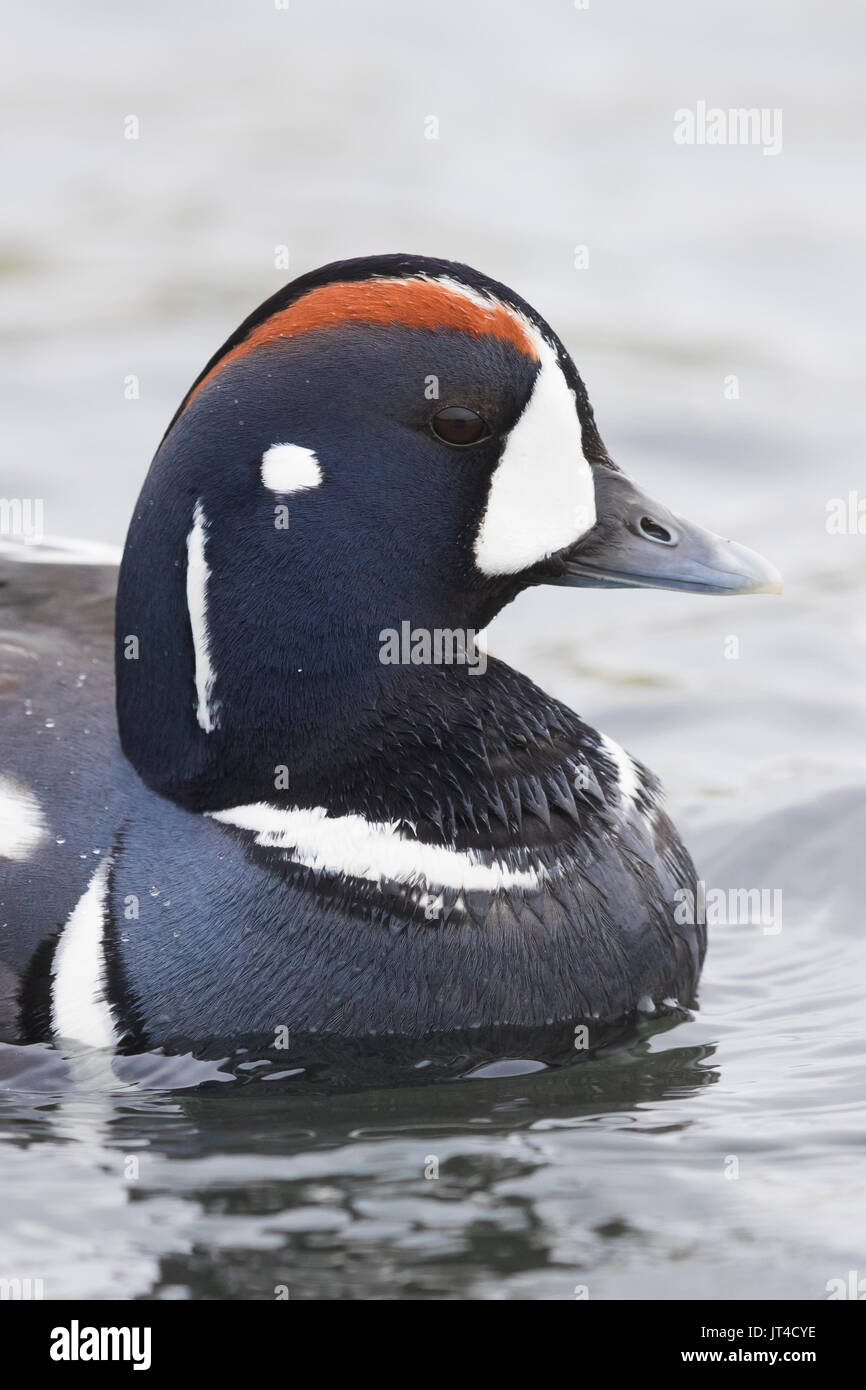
(324, 808)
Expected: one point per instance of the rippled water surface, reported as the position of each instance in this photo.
(717, 1154)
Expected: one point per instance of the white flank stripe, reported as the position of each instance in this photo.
(372, 850)
(80, 1011)
(197, 575)
(542, 497)
(288, 468)
(22, 825)
(626, 772)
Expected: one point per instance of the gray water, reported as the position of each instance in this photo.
(718, 1154)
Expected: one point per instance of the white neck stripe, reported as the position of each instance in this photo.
(374, 851)
(80, 1011)
(197, 575)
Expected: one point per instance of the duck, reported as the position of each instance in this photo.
(295, 794)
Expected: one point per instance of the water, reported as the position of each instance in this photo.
(125, 258)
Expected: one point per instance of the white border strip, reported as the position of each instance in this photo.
(197, 576)
(80, 1011)
(372, 850)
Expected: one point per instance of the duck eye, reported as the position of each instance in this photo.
(456, 424)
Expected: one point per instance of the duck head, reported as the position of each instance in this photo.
(385, 440)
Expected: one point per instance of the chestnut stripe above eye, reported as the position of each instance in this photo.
(410, 303)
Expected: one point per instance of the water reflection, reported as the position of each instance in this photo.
(328, 1186)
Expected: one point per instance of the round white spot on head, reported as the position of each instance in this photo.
(22, 825)
(542, 496)
(290, 468)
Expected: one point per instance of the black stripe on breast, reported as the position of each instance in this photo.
(125, 1006)
(34, 995)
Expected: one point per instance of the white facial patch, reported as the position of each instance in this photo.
(372, 850)
(542, 496)
(80, 1011)
(22, 824)
(197, 576)
(290, 468)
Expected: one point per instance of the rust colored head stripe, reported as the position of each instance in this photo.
(410, 303)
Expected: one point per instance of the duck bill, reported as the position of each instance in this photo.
(638, 543)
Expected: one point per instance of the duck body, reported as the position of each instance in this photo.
(211, 929)
(290, 831)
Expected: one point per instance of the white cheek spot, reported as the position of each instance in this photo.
(290, 468)
(542, 496)
(197, 576)
(22, 824)
(80, 1011)
(626, 772)
(372, 850)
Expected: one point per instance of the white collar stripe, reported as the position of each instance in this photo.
(371, 850)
